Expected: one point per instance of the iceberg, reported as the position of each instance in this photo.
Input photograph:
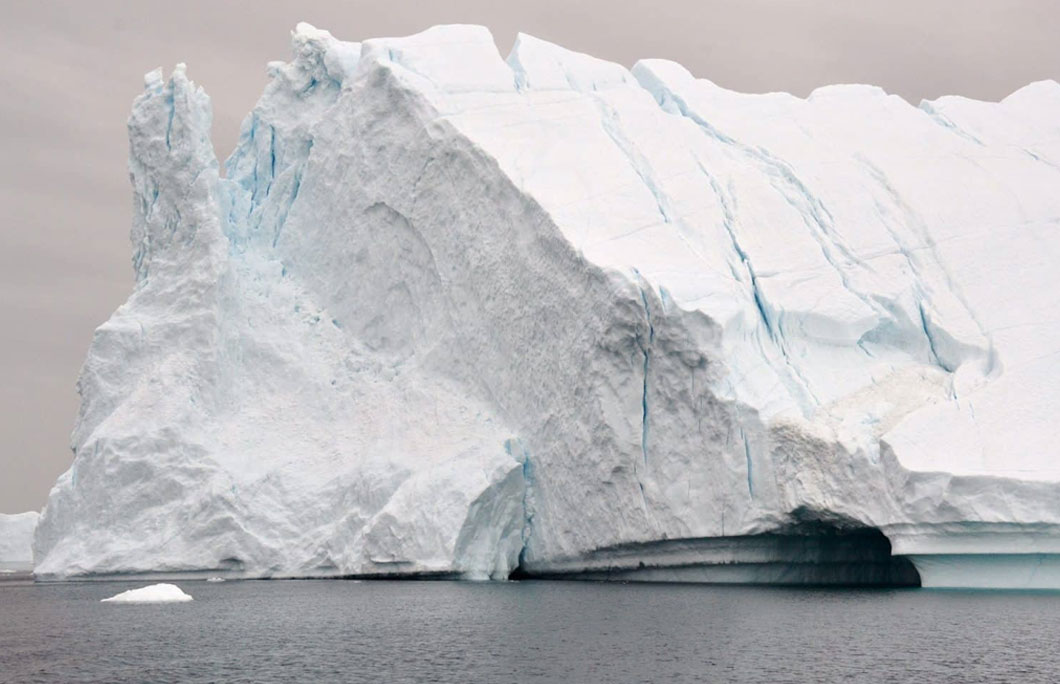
(156, 593)
(447, 314)
(16, 540)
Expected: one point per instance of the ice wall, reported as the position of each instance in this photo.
(451, 314)
(16, 540)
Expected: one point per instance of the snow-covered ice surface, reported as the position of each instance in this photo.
(156, 593)
(453, 314)
(16, 540)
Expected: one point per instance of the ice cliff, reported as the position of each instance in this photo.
(16, 540)
(451, 314)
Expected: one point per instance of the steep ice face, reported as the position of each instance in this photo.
(212, 378)
(16, 540)
(452, 314)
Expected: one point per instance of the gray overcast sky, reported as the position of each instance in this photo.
(69, 71)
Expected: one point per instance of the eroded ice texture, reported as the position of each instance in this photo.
(449, 313)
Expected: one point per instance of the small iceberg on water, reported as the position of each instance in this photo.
(156, 593)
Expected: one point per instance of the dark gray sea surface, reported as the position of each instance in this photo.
(533, 631)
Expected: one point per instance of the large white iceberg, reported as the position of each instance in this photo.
(16, 540)
(450, 314)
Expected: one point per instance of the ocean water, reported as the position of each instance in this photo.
(532, 631)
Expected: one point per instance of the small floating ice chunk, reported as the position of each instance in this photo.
(156, 593)
(215, 579)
